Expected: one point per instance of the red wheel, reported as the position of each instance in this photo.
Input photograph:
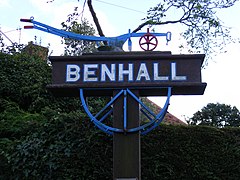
(148, 42)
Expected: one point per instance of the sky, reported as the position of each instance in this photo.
(116, 17)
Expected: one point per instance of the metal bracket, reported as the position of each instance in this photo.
(154, 120)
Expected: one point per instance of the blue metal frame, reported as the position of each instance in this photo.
(154, 121)
(113, 41)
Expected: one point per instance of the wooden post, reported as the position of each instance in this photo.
(126, 147)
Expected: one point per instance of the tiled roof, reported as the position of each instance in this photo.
(168, 119)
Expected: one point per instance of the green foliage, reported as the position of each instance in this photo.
(5, 152)
(178, 152)
(15, 122)
(14, 48)
(218, 115)
(38, 131)
(66, 148)
(22, 80)
(78, 47)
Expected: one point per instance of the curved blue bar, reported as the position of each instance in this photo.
(66, 34)
(161, 115)
(100, 125)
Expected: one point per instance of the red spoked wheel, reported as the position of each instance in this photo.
(148, 42)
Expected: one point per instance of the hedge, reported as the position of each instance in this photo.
(71, 148)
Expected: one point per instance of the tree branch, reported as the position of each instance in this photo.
(141, 26)
(185, 17)
(159, 23)
(95, 19)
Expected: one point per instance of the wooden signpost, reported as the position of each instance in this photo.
(144, 74)
(124, 76)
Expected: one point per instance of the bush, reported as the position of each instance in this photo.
(67, 148)
(23, 80)
(15, 122)
(178, 152)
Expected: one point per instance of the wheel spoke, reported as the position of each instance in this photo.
(147, 41)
